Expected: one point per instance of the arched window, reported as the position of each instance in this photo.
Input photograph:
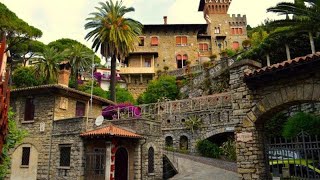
(169, 141)
(151, 160)
(183, 143)
(181, 60)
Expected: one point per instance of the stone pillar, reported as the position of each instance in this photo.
(152, 61)
(141, 65)
(250, 160)
(137, 160)
(129, 77)
(141, 79)
(108, 160)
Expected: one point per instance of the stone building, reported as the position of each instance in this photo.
(63, 141)
(172, 45)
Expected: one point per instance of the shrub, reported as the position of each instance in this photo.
(25, 77)
(165, 86)
(274, 126)
(208, 149)
(228, 149)
(301, 121)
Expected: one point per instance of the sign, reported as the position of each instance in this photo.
(42, 126)
(218, 1)
(230, 129)
(244, 136)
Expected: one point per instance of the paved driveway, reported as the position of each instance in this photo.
(198, 168)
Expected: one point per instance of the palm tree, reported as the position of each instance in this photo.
(306, 17)
(48, 64)
(113, 34)
(80, 59)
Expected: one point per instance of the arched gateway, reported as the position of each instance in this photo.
(261, 93)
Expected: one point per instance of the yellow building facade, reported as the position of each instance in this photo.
(170, 46)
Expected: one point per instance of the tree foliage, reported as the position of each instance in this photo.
(113, 33)
(163, 87)
(13, 138)
(123, 95)
(274, 126)
(25, 77)
(65, 43)
(26, 50)
(48, 64)
(15, 29)
(97, 90)
(301, 121)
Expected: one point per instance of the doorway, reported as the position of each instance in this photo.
(121, 164)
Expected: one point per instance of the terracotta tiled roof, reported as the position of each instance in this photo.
(111, 130)
(285, 64)
(62, 88)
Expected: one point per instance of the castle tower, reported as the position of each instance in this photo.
(227, 32)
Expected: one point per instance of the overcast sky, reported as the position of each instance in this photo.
(66, 18)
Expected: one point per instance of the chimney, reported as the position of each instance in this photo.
(165, 19)
(64, 73)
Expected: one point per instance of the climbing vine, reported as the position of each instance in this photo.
(13, 138)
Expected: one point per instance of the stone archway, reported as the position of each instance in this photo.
(184, 143)
(121, 164)
(250, 134)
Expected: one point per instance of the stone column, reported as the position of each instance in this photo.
(141, 61)
(250, 160)
(108, 160)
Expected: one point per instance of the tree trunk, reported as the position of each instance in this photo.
(76, 79)
(313, 49)
(268, 60)
(113, 78)
(288, 52)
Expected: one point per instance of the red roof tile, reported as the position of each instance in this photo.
(111, 131)
(284, 64)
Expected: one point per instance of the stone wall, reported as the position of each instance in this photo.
(214, 79)
(39, 139)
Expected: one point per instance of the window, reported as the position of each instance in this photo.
(203, 47)
(154, 41)
(80, 109)
(181, 40)
(141, 43)
(65, 151)
(235, 45)
(236, 31)
(151, 160)
(181, 60)
(217, 30)
(29, 109)
(25, 156)
(147, 63)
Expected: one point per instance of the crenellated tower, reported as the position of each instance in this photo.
(226, 31)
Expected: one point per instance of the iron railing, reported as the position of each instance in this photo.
(294, 158)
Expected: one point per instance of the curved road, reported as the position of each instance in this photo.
(201, 168)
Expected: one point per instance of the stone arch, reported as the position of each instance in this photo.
(184, 142)
(280, 99)
(169, 141)
(16, 163)
(215, 132)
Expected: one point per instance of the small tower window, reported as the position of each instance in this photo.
(154, 41)
(141, 43)
(151, 160)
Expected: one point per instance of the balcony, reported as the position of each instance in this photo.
(136, 70)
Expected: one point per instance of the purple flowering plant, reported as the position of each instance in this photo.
(123, 110)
